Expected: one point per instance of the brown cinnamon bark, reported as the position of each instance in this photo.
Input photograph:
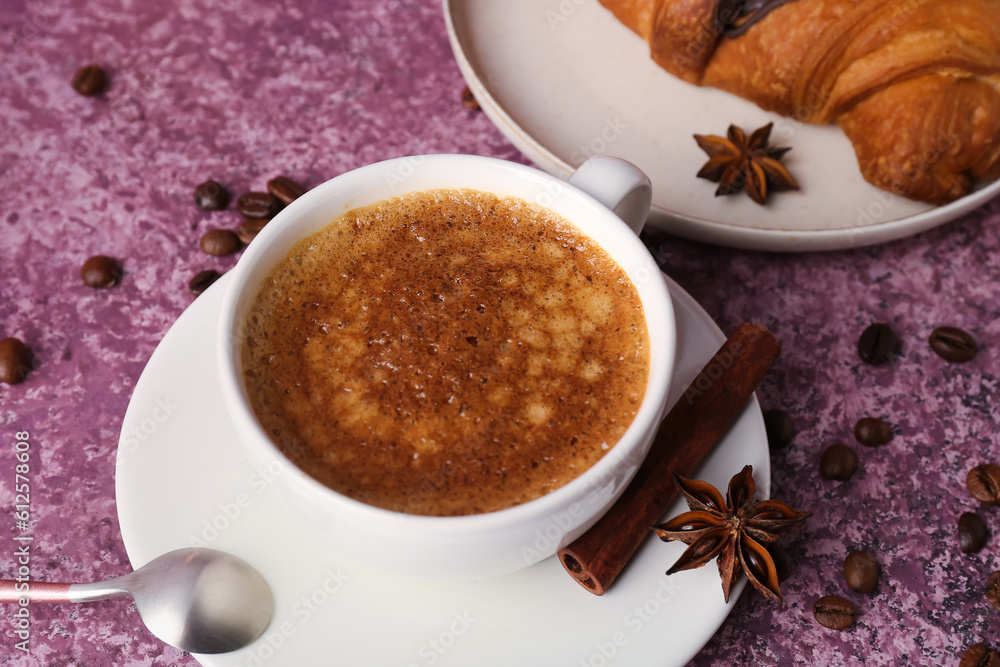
(696, 422)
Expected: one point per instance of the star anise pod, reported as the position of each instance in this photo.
(737, 531)
(740, 163)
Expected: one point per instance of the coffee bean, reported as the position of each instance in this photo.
(211, 196)
(249, 229)
(834, 612)
(972, 532)
(203, 280)
(861, 571)
(780, 428)
(877, 345)
(285, 189)
(89, 80)
(983, 483)
(219, 242)
(980, 655)
(15, 361)
(838, 462)
(258, 205)
(993, 590)
(469, 100)
(872, 431)
(101, 271)
(782, 561)
(953, 344)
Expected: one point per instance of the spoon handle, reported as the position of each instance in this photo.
(35, 591)
(99, 590)
(45, 591)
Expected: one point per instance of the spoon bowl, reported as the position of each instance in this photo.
(213, 603)
(199, 600)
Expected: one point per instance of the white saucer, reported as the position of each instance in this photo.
(564, 80)
(182, 479)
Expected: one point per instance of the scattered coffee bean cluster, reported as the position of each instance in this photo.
(102, 271)
(861, 573)
(257, 209)
(983, 483)
(838, 461)
(878, 345)
(861, 570)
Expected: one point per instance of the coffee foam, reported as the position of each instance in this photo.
(447, 352)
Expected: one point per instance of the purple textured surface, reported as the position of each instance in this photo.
(241, 91)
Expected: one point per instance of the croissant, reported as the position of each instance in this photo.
(915, 84)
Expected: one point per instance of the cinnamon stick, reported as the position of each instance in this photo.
(691, 428)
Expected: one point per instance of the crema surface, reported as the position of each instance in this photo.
(448, 352)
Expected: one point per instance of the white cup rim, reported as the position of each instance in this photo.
(647, 417)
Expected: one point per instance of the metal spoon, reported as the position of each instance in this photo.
(199, 600)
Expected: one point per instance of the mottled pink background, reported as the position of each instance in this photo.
(240, 91)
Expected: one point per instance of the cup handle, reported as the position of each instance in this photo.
(619, 185)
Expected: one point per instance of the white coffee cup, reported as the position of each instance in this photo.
(478, 545)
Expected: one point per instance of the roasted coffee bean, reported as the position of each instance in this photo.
(861, 571)
(258, 205)
(983, 483)
(834, 612)
(15, 361)
(89, 80)
(782, 561)
(285, 189)
(101, 271)
(838, 462)
(469, 100)
(872, 431)
(203, 280)
(780, 428)
(980, 655)
(972, 532)
(219, 242)
(877, 344)
(211, 196)
(993, 590)
(249, 229)
(953, 344)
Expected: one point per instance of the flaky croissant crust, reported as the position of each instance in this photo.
(915, 84)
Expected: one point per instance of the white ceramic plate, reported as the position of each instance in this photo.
(564, 80)
(182, 479)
